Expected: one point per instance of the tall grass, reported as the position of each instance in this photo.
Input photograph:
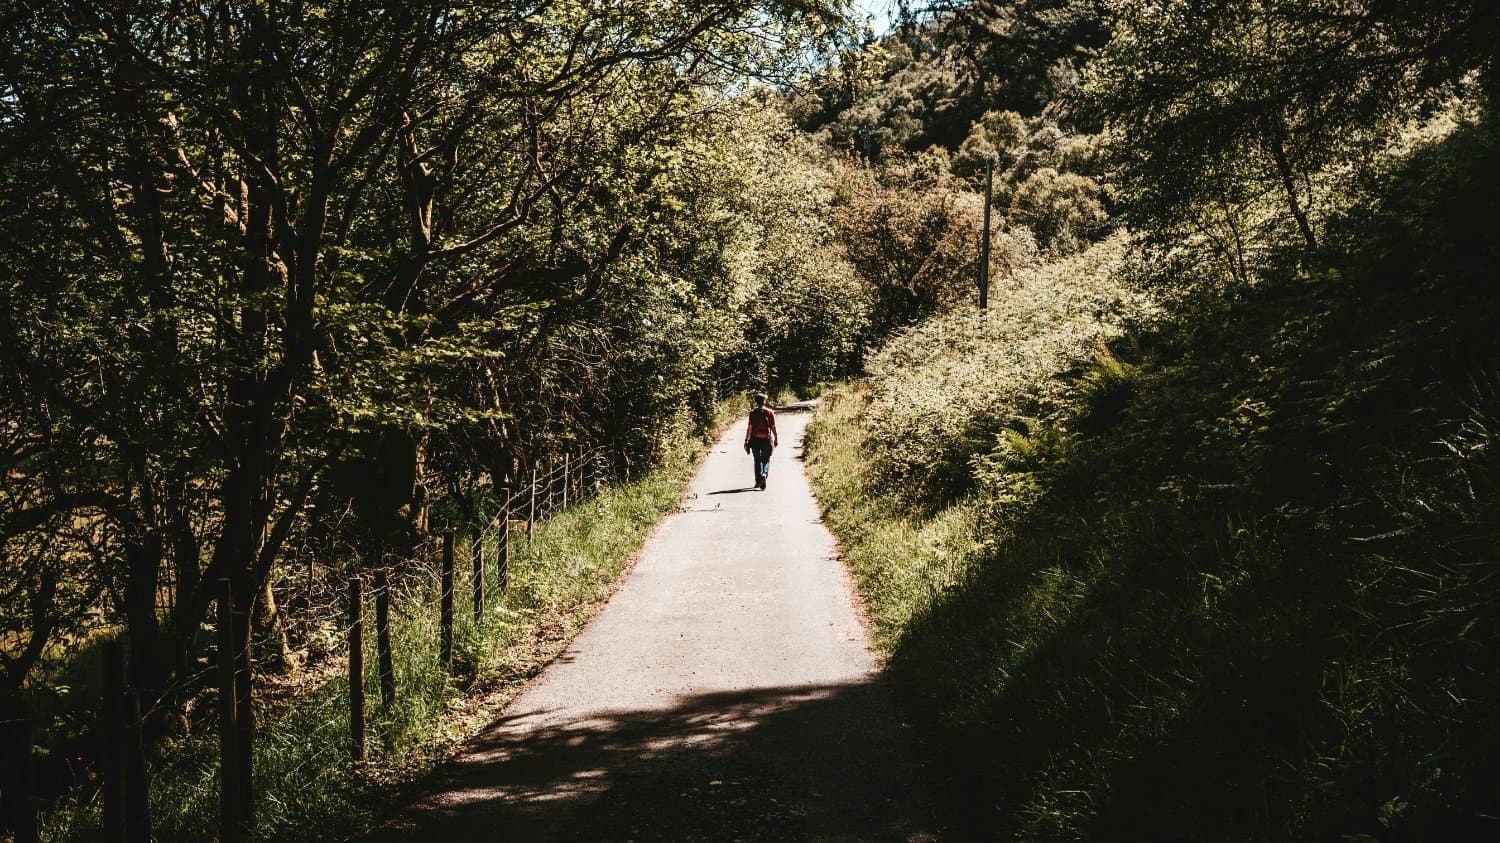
(1231, 580)
(904, 562)
(306, 786)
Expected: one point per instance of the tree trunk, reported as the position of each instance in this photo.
(270, 631)
(1241, 267)
(149, 663)
(1276, 139)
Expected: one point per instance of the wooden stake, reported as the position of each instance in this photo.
(18, 805)
(502, 545)
(133, 757)
(385, 662)
(127, 813)
(445, 620)
(476, 554)
(356, 668)
(531, 512)
(112, 728)
(551, 491)
(244, 712)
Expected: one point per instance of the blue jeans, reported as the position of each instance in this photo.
(761, 448)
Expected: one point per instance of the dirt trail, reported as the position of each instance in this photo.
(725, 693)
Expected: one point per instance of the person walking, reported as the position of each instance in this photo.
(760, 438)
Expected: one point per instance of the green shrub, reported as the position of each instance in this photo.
(1239, 588)
(1064, 210)
(908, 230)
(1104, 390)
(943, 390)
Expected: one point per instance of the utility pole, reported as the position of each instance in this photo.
(984, 244)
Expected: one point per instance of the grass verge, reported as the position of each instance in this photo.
(307, 788)
(903, 561)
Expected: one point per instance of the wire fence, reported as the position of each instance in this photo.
(308, 721)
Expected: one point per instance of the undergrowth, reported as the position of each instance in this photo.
(306, 786)
(1227, 577)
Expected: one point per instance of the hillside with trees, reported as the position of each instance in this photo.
(1188, 536)
(308, 306)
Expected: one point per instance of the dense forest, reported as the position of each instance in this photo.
(1185, 536)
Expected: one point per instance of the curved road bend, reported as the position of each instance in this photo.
(724, 693)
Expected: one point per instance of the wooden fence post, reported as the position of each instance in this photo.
(385, 662)
(356, 668)
(445, 600)
(550, 494)
(476, 557)
(567, 478)
(231, 823)
(502, 545)
(127, 813)
(531, 512)
(133, 755)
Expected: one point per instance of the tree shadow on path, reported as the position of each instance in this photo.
(800, 763)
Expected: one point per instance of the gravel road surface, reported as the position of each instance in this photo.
(725, 693)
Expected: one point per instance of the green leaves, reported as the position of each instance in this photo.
(240, 245)
(1206, 105)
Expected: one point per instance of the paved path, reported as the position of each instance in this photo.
(725, 693)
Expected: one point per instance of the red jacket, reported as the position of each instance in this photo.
(762, 424)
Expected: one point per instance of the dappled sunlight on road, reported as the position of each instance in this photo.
(767, 764)
(725, 693)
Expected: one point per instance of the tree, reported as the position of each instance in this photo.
(1193, 92)
(1013, 51)
(244, 241)
(1064, 210)
(910, 231)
